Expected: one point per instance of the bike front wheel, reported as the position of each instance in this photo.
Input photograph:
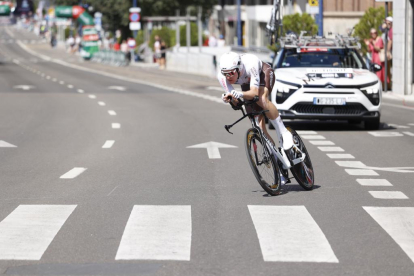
(262, 163)
(303, 172)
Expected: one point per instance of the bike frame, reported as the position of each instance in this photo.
(280, 155)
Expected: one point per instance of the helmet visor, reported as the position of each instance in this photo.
(229, 72)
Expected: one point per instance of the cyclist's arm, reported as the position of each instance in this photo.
(254, 82)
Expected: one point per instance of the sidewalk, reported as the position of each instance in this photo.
(145, 73)
(404, 100)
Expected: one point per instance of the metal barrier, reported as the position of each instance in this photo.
(116, 58)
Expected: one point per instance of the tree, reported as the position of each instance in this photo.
(299, 22)
(372, 18)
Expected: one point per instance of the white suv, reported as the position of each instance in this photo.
(320, 78)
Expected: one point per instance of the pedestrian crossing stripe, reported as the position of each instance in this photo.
(296, 245)
(164, 232)
(27, 232)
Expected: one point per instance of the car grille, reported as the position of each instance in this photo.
(348, 109)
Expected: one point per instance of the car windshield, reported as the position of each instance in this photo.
(320, 57)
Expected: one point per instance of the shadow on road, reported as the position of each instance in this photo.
(332, 125)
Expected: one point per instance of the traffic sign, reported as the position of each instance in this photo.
(135, 10)
(135, 26)
(313, 3)
(134, 17)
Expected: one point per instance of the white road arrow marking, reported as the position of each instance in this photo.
(4, 144)
(120, 88)
(212, 148)
(23, 87)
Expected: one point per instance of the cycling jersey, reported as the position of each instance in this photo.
(250, 70)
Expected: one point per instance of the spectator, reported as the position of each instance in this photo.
(375, 45)
(163, 55)
(78, 42)
(125, 50)
(212, 41)
(221, 42)
(388, 22)
(157, 49)
(70, 42)
(53, 39)
(116, 46)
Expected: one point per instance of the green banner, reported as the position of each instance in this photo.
(85, 19)
(4, 10)
(63, 11)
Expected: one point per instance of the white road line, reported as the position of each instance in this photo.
(48, 77)
(116, 125)
(157, 233)
(282, 238)
(101, 103)
(70, 86)
(360, 172)
(54, 79)
(408, 133)
(411, 124)
(315, 137)
(326, 149)
(108, 144)
(4, 144)
(80, 91)
(27, 232)
(111, 112)
(305, 132)
(73, 173)
(340, 156)
(385, 134)
(92, 96)
(398, 222)
(62, 82)
(374, 182)
(388, 194)
(322, 143)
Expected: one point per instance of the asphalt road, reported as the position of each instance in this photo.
(99, 181)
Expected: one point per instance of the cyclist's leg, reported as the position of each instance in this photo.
(267, 81)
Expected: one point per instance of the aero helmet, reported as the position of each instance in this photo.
(229, 62)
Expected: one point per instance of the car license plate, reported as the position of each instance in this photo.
(329, 101)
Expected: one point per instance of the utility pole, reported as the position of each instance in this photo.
(200, 35)
(239, 27)
(134, 4)
(320, 25)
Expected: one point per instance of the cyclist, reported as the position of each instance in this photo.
(256, 78)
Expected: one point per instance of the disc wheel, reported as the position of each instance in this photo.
(303, 171)
(262, 163)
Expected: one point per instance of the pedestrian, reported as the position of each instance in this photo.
(70, 42)
(388, 23)
(375, 46)
(221, 42)
(78, 42)
(163, 54)
(157, 49)
(124, 49)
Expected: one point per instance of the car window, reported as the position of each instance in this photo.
(339, 58)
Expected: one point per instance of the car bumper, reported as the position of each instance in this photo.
(300, 105)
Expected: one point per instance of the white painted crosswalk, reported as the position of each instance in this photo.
(164, 232)
(157, 233)
(297, 245)
(27, 232)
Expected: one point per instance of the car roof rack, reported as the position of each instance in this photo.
(339, 42)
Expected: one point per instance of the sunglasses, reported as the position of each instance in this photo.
(228, 73)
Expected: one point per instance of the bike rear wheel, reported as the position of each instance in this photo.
(303, 172)
(262, 163)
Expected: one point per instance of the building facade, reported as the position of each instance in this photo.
(403, 47)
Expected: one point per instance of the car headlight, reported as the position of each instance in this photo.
(284, 90)
(373, 92)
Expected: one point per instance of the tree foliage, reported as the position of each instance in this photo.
(372, 18)
(299, 22)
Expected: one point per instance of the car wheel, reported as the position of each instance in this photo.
(372, 124)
